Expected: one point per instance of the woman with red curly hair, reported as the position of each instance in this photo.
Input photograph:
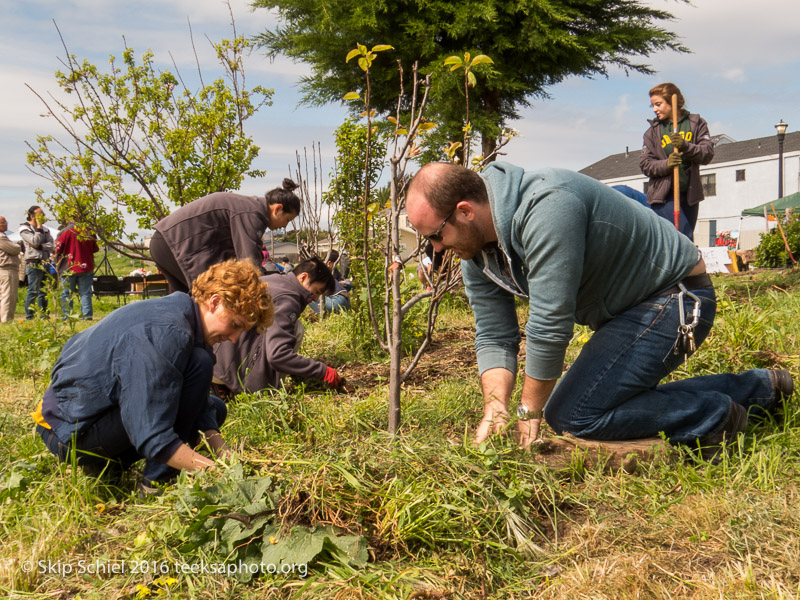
(136, 385)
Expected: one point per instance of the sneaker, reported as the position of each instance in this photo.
(711, 444)
(783, 389)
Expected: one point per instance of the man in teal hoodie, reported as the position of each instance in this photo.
(580, 252)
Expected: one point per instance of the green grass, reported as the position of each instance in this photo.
(441, 517)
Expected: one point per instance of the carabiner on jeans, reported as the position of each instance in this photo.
(682, 312)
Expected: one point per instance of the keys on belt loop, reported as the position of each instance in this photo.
(685, 343)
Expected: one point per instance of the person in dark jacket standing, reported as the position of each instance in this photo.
(76, 246)
(217, 227)
(657, 161)
(137, 383)
(39, 244)
(258, 361)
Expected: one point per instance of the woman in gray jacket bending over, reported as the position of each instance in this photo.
(217, 227)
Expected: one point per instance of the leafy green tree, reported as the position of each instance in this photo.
(139, 142)
(347, 193)
(534, 44)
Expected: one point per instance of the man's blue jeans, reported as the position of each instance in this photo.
(35, 293)
(611, 391)
(333, 304)
(82, 283)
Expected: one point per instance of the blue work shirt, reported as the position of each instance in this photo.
(133, 360)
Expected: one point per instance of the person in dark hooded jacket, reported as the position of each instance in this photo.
(658, 160)
(260, 360)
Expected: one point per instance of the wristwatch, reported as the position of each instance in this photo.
(523, 414)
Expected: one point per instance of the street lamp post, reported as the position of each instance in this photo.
(781, 129)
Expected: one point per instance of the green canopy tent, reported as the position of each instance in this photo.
(790, 201)
(765, 210)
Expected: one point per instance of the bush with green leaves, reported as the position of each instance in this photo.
(346, 191)
(138, 142)
(771, 252)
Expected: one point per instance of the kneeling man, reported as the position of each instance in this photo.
(136, 385)
(581, 252)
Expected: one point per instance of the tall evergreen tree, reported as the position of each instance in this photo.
(534, 44)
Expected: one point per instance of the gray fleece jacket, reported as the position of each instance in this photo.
(579, 251)
(213, 229)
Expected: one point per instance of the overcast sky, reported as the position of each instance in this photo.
(742, 77)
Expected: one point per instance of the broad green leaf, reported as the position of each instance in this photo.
(351, 96)
(453, 60)
(426, 126)
(382, 47)
(471, 79)
(303, 546)
(362, 62)
(352, 53)
(481, 59)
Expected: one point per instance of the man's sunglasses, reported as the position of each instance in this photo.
(436, 236)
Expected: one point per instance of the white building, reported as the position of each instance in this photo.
(741, 175)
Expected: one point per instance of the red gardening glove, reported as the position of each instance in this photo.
(332, 378)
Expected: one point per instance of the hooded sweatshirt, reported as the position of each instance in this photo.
(579, 251)
(699, 150)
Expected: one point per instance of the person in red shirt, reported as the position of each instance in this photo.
(75, 248)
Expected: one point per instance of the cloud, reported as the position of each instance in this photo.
(622, 110)
(736, 75)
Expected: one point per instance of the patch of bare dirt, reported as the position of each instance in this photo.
(451, 354)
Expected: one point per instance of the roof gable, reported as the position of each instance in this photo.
(626, 164)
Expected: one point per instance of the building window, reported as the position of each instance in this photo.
(709, 184)
(739, 174)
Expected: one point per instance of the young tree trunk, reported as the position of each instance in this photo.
(396, 341)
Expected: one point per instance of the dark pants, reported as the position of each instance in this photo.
(166, 263)
(106, 439)
(688, 216)
(613, 390)
(35, 293)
